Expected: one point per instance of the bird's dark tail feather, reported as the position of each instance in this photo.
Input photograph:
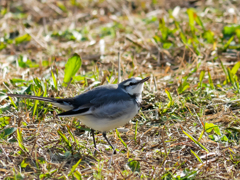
(33, 97)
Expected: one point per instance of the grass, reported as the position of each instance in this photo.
(188, 127)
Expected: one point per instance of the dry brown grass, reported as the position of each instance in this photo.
(161, 147)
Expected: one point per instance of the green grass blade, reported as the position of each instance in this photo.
(236, 82)
(190, 13)
(199, 21)
(77, 175)
(201, 78)
(72, 136)
(210, 80)
(36, 103)
(65, 139)
(228, 43)
(170, 98)
(194, 140)
(135, 136)
(74, 167)
(121, 139)
(45, 90)
(23, 38)
(54, 81)
(235, 68)
(198, 158)
(13, 103)
(231, 78)
(225, 71)
(201, 135)
(20, 141)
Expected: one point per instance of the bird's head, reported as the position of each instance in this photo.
(133, 86)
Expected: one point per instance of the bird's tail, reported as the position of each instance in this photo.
(33, 97)
(65, 104)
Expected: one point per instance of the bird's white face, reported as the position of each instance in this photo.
(134, 86)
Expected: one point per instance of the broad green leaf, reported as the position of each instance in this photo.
(134, 165)
(6, 132)
(3, 11)
(24, 38)
(167, 45)
(4, 121)
(209, 36)
(2, 45)
(230, 30)
(210, 126)
(9, 131)
(224, 138)
(24, 164)
(71, 68)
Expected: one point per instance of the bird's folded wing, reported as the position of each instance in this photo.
(112, 105)
(105, 106)
(85, 109)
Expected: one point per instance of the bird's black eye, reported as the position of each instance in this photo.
(130, 84)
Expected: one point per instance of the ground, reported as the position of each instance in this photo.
(188, 127)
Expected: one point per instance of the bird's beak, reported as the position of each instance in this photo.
(145, 79)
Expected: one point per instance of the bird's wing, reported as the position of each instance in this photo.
(85, 109)
(114, 109)
(104, 106)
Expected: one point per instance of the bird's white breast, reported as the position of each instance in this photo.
(103, 123)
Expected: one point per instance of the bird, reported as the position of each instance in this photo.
(102, 108)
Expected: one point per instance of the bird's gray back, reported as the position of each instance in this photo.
(100, 95)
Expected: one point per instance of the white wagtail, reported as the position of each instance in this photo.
(103, 108)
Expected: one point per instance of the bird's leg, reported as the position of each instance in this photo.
(105, 136)
(92, 131)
